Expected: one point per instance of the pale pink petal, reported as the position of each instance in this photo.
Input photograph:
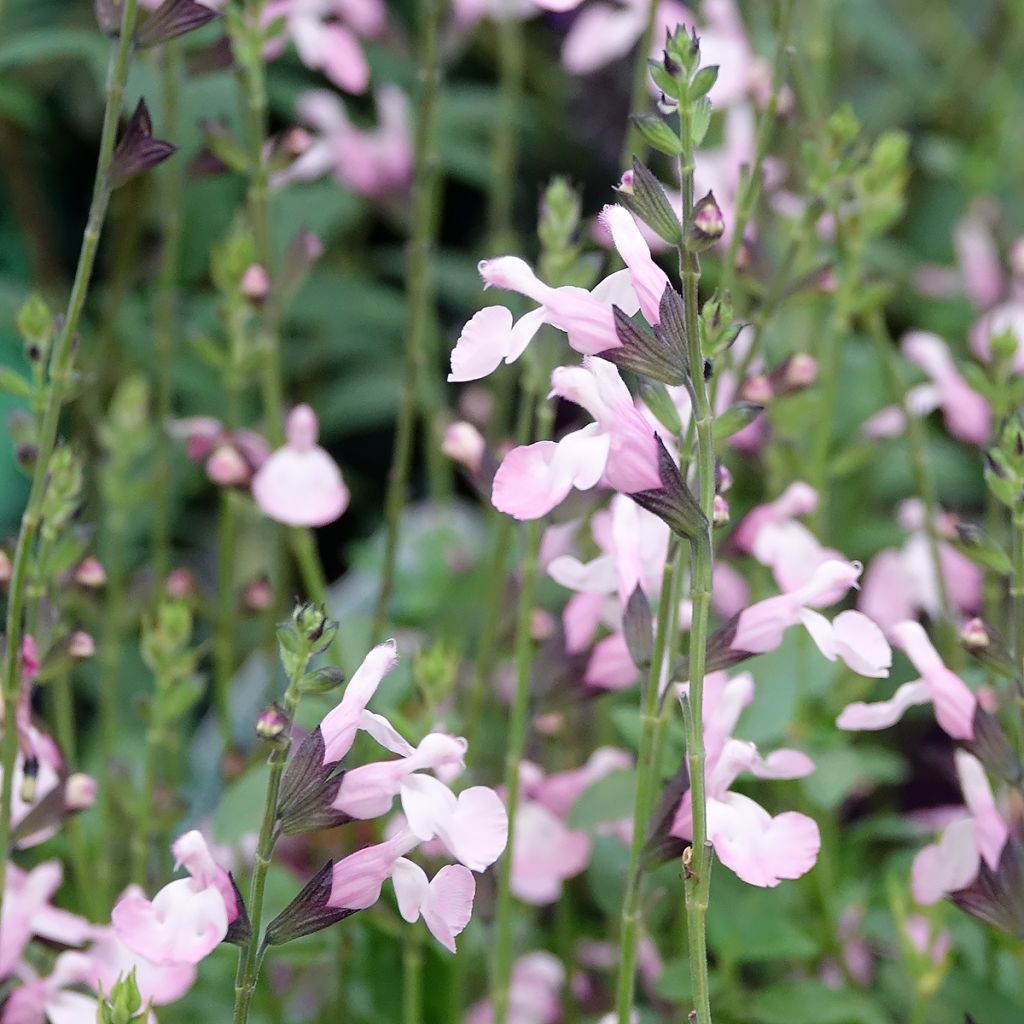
(889, 594)
(448, 904)
(978, 260)
(533, 479)
(490, 338)
(861, 644)
(477, 832)
(596, 577)
(602, 33)
(410, 882)
(1007, 317)
(580, 619)
(617, 290)
(339, 726)
(649, 280)
(514, 274)
(882, 714)
(990, 831)
(356, 880)
(946, 866)
(760, 849)
(544, 855)
(761, 626)
(783, 764)
(300, 488)
(342, 59)
(385, 733)
(610, 666)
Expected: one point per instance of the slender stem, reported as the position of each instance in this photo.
(412, 975)
(633, 143)
(165, 313)
(155, 739)
(249, 958)
(1017, 598)
(60, 380)
(227, 614)
(648, 778)
(419, 294)
(698, 875)
(924, 482)
(750, 189)
(505, 143)
(516, 742)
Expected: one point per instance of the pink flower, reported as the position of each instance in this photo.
(619, 448)
(1007, 317)
(977, 255)
(544, 853)
(966, 413)
(340, 725)
(231, 456)
(534, 992)
(300, 484)
(797, 499)
(445, 902)
(955, 704)
(356, 881)
(368, 791)
(188, 917)
(27, 912)
(110, 958)
(953, 862)
(759, 848)
(38, 1000)
(648, 279)
(851, 636)
(326, 34)
(374, 162)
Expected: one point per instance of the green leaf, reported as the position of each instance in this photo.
(703, 81)
(14, 384)
(657, 134)
(239, 810)
(840, 771)
(608, 799)
(812, 1002)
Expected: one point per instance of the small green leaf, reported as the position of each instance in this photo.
(657, 134)
(14, 384)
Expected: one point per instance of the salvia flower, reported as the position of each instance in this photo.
(955, 704)
(188, 917)
(300, 484)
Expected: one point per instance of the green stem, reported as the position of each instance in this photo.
(634, 143)
(698, 875)
(419, 294)
(505, 143)
(750, 189)
(60, 380)
(516, 743)
(1017, 599)
(227, 614)
(249, 956)
(648, 779)
(412, 975)
(142, 832)
(165, 313)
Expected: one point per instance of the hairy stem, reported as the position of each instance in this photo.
(419, 294)
(60, 366)
(698, 872)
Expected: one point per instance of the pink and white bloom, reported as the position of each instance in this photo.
(955, 705)
(535, 992)
(798, 499)
(300, 484)
(373, 162)
(1006, 317)
(759, 848)
(967, 415)
(188, 917)
(620, 448)
(900, 583)
(851, 636)
(445, 902)
(953, 862)
(326, 34)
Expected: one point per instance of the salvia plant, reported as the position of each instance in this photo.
(514, 512)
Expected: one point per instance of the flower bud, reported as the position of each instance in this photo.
(258, 595)
(757, 389)
(720, 511)
(542, 625)
(29, 779)
(706, 224)
(794, 374)
(138, 151)
(255, 283)
(271, 723)
(81, 645)
(90, 573)
(79, 792)
(181, 584)
(227, 467)
(5, 568)
(464, 444)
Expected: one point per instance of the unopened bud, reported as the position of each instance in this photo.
(706, 225)
(90, 573)
(258, 595)
(81, 645)
(625, 185)
(137, 151)
(720, 511)
(181, 584)
(271, 723)
(255, 283)
(26, 453)
(549, 724)
(5, 568)
(758, 389)
(227, 467)
(723, 478)
(975, 635)
(542, 625)
(79, 792)
(464, 444)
